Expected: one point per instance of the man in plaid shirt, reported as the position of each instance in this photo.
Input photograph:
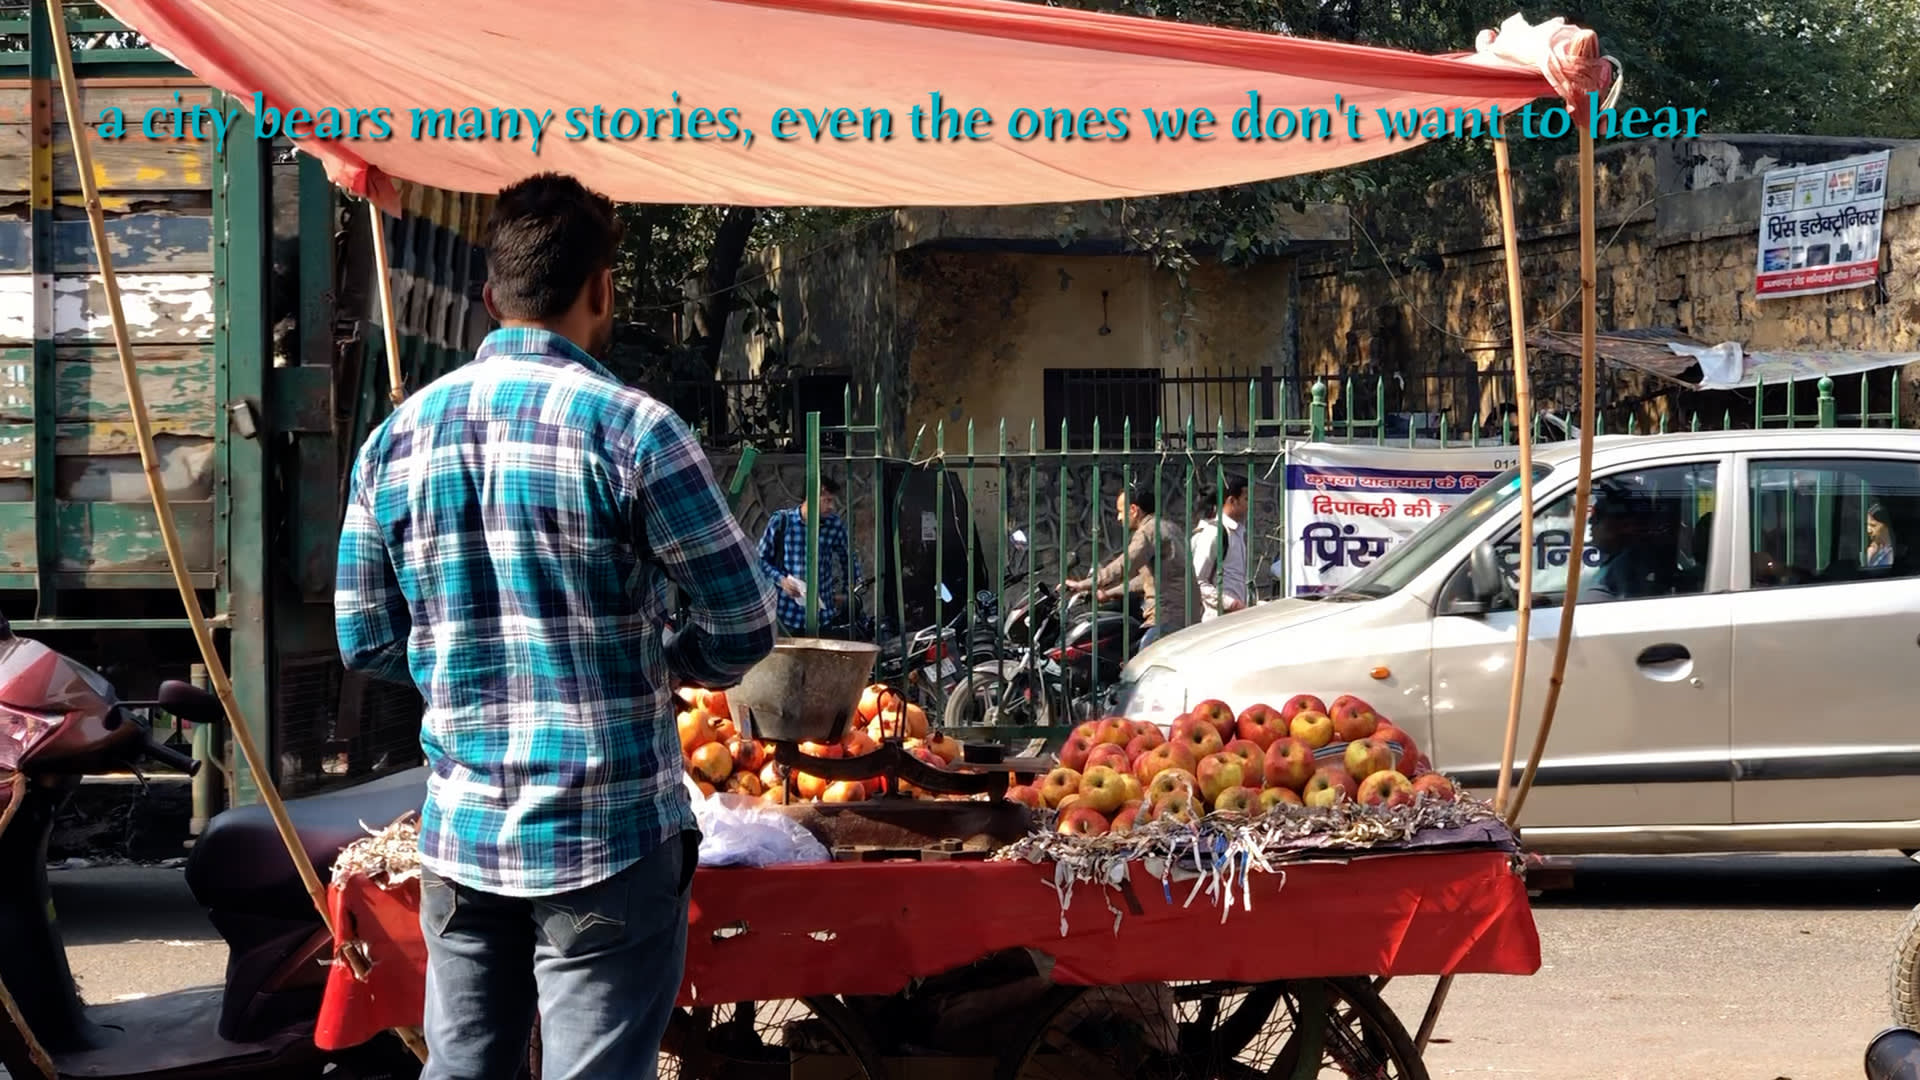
(510, 533)
(783, 555)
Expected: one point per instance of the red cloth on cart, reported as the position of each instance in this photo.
(886, 923)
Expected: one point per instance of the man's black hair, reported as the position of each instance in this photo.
(547, 235)
(1233, 490)
(829, 485)
(1141, 497)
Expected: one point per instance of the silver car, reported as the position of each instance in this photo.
(1745, 665)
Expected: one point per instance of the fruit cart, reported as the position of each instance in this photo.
(984, 969)
(1204, 938)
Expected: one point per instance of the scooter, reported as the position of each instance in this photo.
(59, 721)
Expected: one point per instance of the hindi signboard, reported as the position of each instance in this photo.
(1820, 226)
(1349, 505)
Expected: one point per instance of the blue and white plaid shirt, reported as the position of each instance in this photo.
(835, 548)
(509, 538)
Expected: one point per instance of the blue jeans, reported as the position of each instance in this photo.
(1147, 638)
(602, 965)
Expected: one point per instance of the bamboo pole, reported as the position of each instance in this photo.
(383, 270)
(1523, 401)
(37, 1056)
(1584, 490)
(163, 509)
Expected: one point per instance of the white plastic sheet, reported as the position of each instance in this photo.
(737, 831)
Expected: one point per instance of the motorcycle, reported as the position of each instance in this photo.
(60, 721)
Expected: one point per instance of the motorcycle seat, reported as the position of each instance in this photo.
(240, 864)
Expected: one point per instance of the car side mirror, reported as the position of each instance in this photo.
(1485, 582)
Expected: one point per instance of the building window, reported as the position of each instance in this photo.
(1113, 396)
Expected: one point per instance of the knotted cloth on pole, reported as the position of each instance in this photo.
(758, 56)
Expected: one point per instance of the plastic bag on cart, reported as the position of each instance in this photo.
(736, 831)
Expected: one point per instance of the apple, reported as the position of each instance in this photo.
(858, 744)
(1386, 788)
(1261, 725)
(926, 754)
(1129, 813)
(945, 746)
(917, 725)
(1026, 796)
(1180, 806)
(1329, 786)
(845, 791)
(1218, 713)
(1250, 752)
(748, 754)
(1168, 781)
(1112, 756)
(712, 761)
(706, 789)
(1102, 788)
(1059, 784)
(1300, 703)
(1135, 790)
(1365, 757)
(1221, 771)
(694, 730)
(808, 786)
(1288, 764)
(1276, 796)
(745, 783)
(774, 793)
(1089, 728)
(1076, 750)
(874, 696)
(1352, 720)
(723, 729)
(1114, 729)
(1238, 800)
(1083, 821)
(823, 750)
(1435, 786)
(1313, 728)
(1068, 803)
(1197, 735)
(1147, 727)
(1143, 742)
(1173, 755)
(1387, 732)
(1417, 766)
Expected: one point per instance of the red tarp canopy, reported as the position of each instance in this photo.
(868, 928)
(809, 55)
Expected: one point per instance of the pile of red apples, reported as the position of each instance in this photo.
(1117, 773)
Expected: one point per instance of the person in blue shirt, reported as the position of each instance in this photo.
(783, 558)
(1879, 537)
(510, 532)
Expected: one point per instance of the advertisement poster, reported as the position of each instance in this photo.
(1820, 226)
(1349, 505)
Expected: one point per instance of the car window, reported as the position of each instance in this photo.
(1648, 533)
(1818, 521)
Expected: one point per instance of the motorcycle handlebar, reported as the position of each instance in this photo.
(168, 756)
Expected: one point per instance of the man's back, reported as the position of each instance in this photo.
(531, 507)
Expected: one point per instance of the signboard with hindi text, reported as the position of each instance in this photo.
(1820, 227)
(1349, 505)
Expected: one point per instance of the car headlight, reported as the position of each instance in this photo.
(1159, 695)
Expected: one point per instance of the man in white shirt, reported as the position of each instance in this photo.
(1220, 568)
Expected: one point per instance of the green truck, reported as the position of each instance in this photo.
(246, 279)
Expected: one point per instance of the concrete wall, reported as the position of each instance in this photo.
(979, 329)
(1678, 226)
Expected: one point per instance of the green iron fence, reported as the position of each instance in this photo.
(995, 483)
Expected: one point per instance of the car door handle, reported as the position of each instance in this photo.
(1662, 654)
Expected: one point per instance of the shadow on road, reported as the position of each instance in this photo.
(1752, 881)
(111, 904)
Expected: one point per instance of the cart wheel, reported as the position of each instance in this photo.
(1903, 981)
(765, 1040)
(1216, 1031)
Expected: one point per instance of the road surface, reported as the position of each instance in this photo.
(1749, 968)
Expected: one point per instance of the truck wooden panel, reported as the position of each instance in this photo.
(131, 163)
